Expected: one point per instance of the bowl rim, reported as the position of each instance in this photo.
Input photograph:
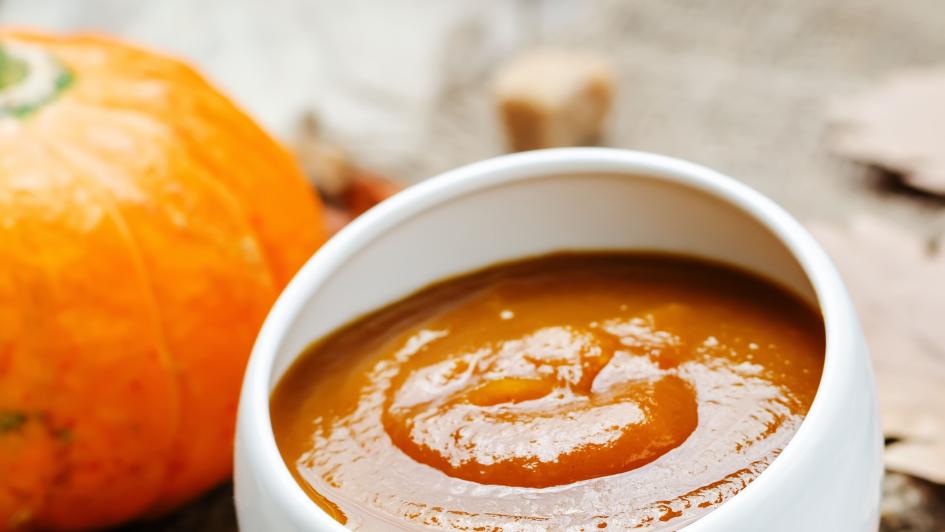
(255, 435)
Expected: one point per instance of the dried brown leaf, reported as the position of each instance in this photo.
(326, 163)
(898, 285)
(367, 189)
(898, 126)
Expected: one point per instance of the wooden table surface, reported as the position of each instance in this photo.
(741, 86)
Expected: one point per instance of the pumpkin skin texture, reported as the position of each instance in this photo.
(146, 226)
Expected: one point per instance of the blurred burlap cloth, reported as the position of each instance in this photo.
(740, 86)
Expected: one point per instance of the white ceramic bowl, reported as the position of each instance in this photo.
(827, 478)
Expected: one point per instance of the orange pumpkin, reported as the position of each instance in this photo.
(146, 226)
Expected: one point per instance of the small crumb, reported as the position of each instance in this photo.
(549, 98)
(506, 314)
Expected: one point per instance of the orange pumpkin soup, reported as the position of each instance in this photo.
(571, 391)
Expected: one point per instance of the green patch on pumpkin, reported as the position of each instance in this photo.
(11, 421)
(14, 71)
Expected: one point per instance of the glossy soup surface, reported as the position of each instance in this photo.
(572, 391)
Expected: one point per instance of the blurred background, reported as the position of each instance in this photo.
(405, 88)
(741, 86)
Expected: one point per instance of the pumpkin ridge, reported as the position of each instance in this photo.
(140, 128)
(70, 158)
(274, 263)
(59, 469)
(65, 239)
(108, 199)
(209, 176)
(170, 494)
(289, 168)
(135, 249)
(283, 260)
(28, 478)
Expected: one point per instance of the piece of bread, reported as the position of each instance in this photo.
(549, 98)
